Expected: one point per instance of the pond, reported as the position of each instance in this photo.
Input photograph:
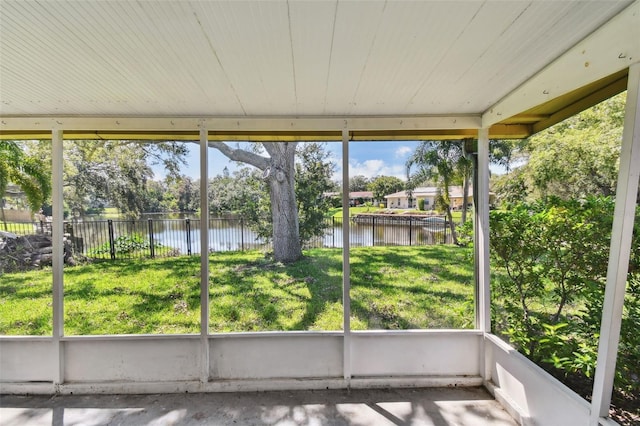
(233, 233)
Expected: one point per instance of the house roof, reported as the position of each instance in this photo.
(361, 194)
(289, 70)
(429, 191)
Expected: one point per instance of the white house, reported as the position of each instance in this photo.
(404, 200)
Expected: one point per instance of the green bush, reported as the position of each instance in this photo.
(125, 244)
(552, 258)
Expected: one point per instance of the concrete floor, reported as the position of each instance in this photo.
(432, 406)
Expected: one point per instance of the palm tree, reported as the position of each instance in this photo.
(25, 171)
(443, 162)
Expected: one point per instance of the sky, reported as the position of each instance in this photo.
(370, 159)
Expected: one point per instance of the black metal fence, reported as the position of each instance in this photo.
(125, 239)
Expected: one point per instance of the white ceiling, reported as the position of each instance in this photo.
(279, 58)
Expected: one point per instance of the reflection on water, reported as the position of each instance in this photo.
(182, 233)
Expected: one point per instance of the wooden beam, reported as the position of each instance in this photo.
(498, 131)
(592, 99)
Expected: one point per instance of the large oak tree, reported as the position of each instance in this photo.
(279, 173)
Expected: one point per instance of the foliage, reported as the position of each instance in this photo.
(432, 287)
(385, 185)
(126, 244)
(573, 159)
(29, 172)
(465, 234)
(548, 301)
(114, 173)
(446, 163)
(505, 152)
(358, 183)
(185, 194)
(510, 188)
(312, 181)
(247, 194)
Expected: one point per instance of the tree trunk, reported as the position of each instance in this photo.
(452, 226)
(465, 195)
(284, 208)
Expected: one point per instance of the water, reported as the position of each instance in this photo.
(232, 233)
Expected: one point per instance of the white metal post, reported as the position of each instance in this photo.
(483, 294)
(57, 262)
(346, 267)
(204, 253)
(484, 300)
(619, 254)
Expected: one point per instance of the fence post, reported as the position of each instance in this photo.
(410, 243)
(112, 247)
(446, 225)
(188, 229)
(242, 234)
(333, 232)
(373, 231)
(151, 243)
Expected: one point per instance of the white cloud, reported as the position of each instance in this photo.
(403, 151)
(373, 168)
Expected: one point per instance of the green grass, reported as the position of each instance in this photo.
(19, 228)
(337, 212)
(111, 213)
(391, 288)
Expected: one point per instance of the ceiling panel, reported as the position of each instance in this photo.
(283, 58)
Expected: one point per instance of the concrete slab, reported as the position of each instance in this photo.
(428, 407)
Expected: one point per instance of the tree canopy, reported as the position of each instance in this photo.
(576, 158)
(29, 172)
(385, 185)
(445, 163)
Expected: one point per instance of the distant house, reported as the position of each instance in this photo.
(401, 200)
(360, 197)
(356, 198)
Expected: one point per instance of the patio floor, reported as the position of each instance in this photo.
(430, 406)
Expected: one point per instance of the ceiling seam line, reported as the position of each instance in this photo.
(333, 36)
(293, 59)
(215, 54)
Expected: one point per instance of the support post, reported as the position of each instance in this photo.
(204, 254)
(481, 246)
(57, 262)
(346, 267)
(619, 254)
(483, 297)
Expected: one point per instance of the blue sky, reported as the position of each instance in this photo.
(369, 159)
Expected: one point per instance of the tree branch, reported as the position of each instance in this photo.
(241, 155)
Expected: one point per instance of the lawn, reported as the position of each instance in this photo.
(337, 212)
(392, 288)
(20, 228)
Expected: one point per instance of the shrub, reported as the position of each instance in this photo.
(125, 244)
(553, 258)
